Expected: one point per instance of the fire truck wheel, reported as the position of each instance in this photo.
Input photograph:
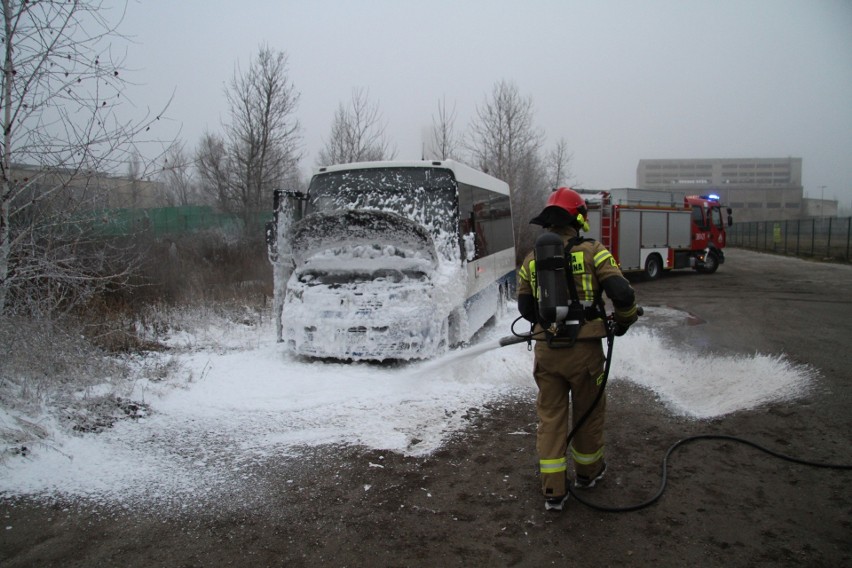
(653, 267)
(711, 264)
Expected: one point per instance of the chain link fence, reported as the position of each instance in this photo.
(828, 238)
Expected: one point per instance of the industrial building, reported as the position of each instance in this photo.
(107, 191)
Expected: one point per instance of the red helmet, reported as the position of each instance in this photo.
(564, 207)
(569, 200)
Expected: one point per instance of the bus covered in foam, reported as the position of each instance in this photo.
(390, 260)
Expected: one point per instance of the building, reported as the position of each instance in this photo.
(819, 207)
(106, 191)
(757, 189)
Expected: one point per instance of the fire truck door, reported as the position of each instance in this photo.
(629, 237)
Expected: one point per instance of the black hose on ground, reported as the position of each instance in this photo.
(519, 338)
(690, 439)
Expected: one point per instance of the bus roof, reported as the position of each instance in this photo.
(462, 173)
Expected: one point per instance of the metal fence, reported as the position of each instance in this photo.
(177, 220)
(828, 238)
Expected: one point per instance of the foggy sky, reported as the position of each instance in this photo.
(619, 80)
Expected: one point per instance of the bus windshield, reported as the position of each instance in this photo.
(427, 196)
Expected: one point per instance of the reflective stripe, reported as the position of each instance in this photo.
(533, 280)
(599, 380)
(601, 257)
(626, 313)
(588, 288)
(587, 459)
(553, 466)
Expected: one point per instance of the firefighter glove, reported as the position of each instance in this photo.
(623, 319)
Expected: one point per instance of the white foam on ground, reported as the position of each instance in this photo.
(702, 384)
(243, 406)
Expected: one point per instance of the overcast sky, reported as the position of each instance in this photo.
(619, 80)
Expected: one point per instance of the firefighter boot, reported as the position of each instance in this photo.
(555, 503)
(584, 482)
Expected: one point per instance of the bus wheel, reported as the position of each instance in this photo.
(653, 267)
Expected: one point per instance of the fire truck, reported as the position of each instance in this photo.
(649, 231)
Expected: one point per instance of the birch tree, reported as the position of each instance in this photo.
(61, 93)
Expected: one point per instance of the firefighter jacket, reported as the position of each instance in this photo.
(595, 270)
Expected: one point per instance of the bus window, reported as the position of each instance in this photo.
(488, 216)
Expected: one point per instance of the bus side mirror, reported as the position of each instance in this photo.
(468, 240)
(271, 241)
(288, 208)
(469, 246)
(289, 200)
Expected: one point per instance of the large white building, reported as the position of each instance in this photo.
(757, 189)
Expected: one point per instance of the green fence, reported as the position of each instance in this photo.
(829, 237)
(176, 220)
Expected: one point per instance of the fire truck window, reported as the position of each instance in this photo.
(698, 216)
(716, 214)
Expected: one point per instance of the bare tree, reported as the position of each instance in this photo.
(261, 147)
(558, 164)
(504, 142)
(213, 168)
(502, 138)
(528, 199)
(357, 133)
(443, 143)
(63, 126)
(177, 176)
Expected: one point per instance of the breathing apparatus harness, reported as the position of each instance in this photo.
(561, 313)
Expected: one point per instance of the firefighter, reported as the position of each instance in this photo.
(572, 368)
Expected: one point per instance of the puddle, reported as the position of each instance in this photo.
(668, 316)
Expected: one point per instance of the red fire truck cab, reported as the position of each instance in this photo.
(651, 231)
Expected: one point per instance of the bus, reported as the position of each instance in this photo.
(390, 260)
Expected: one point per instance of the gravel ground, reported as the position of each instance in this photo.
(475, 502)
